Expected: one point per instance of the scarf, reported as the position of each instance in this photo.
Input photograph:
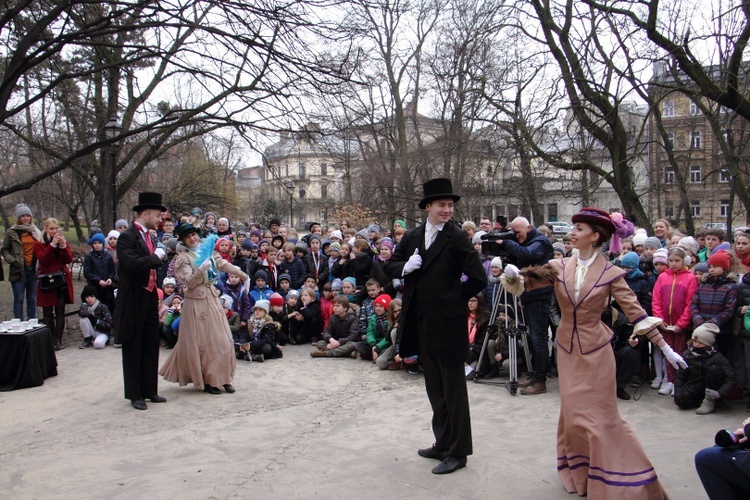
(257, 323)
(93, 307)
(29, 228)
(702, 352)
(472, 323)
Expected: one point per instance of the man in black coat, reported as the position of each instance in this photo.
(136, 315)
(433, 321)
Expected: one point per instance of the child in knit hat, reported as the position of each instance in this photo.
(660, 260)
(95, 320)
(709, 376)
(377, 336)
(99, 270)
(263, 335)
(716, 299)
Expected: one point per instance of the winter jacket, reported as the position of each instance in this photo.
(715, 301)
(241, 302)
(377, 272)
(257, 294)
(313, 322)
(342, 329)
(535, 250)
(697, 369)
(100, 318)
(365, 312)
(342, 271)
(321, 272)
(98, 266)
(672, 296)
(378, 333)
(326, 310)
(642, 289)
(12, 252)
(361, 267)
(296, 271)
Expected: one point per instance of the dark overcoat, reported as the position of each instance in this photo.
(437, 292)
(135, 264)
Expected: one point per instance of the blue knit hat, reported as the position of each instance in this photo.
(97, 237)
(351, 280)
(630, 260)
(701, 268)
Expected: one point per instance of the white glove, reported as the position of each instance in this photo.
(674, 358)
(205, 266)
(414, 262)
(511, 272)
(160, 253)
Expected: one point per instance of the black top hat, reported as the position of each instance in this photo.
(184, 229)
(149, 200)
(438, 189)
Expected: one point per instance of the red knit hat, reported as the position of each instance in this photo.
(276, 300)
(721, 259)
(383, 299)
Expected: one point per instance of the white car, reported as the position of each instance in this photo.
(559, 227)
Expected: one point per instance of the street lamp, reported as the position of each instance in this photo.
(290, 187)
(111, 130)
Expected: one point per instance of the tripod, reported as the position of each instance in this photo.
(518, 329)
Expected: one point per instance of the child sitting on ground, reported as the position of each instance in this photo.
(342, 334)
(378, 331)
(307, 318)
(95, 321)
(709, 376)
(263, 336)
(279, 317)
(326, 304)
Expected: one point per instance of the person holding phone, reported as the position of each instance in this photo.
(53, 255)
(725, 471)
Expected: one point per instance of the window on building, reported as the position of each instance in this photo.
(695, 139)
(302, 193)
(286, 169)
(324, 191)
(668, 109)
(695, 174)
(489, 170)
(693, 108)
(669, 175)
(724, 175)
(323, 169)
(670, 138)
(552, 212)
(724, 208)
(695, 208)
(669, 211)
(302, 171)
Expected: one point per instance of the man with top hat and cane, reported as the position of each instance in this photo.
(433, 322)
(136, 316)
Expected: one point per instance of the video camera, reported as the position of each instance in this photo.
(491, 248)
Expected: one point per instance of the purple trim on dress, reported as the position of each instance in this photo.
(625, 483)
(640, 318)
(650, 469)
(571, 458)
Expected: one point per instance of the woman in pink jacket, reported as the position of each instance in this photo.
(673, 292)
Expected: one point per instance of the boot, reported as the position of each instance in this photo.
(59, 345)
(87, 342)
(707, 407)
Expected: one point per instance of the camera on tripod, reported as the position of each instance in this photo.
(490, 246)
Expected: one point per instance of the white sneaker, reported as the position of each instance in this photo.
(656, 383)
(666, 388)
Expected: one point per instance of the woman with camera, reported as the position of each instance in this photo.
(55, 280)
(724, 469)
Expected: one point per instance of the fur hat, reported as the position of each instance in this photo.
(21, 210)
(274, 222)
(652, 242)
(706, 333)
(262, 304)
(276, 300)
(721, 259)
(383, 299)
(660, 256)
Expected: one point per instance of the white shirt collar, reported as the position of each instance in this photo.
(439, 227)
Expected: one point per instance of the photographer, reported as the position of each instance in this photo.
(532, 248)
(724, 469)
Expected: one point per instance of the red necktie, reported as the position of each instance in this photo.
(149, 243)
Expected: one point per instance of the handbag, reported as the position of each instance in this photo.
(52, 281)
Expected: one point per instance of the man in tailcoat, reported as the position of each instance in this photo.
(433, 322)
(136, 314)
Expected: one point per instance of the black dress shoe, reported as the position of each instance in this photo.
(450, 464)
(211, 389)
(622, 394)
(138, 404)
(229, 388)
(433, 452)
(157, 399)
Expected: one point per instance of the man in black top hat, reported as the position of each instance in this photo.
(136, 314)
(433, 321)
